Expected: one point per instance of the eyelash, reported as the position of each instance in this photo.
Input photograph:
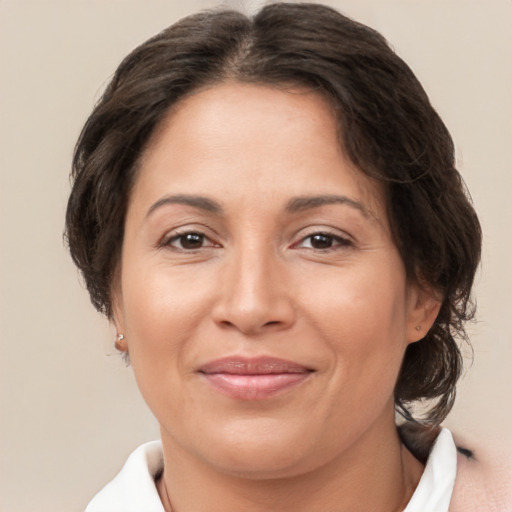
(176, 236)
(335, 240)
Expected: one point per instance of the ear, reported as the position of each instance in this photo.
(117, 318)
(424, 305)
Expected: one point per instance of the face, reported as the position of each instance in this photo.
(265, 306)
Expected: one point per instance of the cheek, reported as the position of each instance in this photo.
(362, 317)
(161, 309)
(370, 302)
(159, 302)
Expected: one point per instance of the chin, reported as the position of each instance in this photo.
(260, 449)
(261, 463)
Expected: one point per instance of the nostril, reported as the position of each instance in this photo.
(251, 313)
(250, 328)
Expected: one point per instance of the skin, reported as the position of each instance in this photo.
(257, 282)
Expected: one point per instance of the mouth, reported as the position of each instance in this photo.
(253, 378)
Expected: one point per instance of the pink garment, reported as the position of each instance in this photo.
(483, 483)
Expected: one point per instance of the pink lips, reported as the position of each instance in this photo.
(253, 378)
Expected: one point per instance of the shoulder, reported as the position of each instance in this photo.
(133, 489)
(484, 478)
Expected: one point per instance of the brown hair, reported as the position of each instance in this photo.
(387, 127)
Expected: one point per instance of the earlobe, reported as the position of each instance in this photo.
(423, 315)
(121, 343)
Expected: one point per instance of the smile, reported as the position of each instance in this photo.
(253, 379)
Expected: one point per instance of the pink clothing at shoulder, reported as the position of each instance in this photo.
(484, 481)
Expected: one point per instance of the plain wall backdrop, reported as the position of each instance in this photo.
(70, 410)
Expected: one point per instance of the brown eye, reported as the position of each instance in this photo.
(188, 241)
(191, 240)
(324, 242)
(321, 241)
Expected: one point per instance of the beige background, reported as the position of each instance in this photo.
(70, 411)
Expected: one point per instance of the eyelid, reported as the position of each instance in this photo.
(178, 236)
(176, 233)
(343, 239)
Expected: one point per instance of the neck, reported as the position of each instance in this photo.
(377, 474)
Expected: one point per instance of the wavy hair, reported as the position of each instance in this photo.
(387, 127)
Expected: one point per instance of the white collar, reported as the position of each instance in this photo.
(435, 488)
(134, 490)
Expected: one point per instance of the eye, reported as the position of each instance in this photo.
(323, 241)
(188, 241)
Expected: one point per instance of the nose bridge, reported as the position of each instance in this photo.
(252, 272)
(254, 294)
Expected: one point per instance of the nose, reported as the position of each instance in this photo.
(254, 296)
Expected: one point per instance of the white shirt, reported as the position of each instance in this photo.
(435, 487)
(134, 490)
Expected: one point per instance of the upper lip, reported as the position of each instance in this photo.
(265, 365)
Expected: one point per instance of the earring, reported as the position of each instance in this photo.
(418, 327)
(117, 344)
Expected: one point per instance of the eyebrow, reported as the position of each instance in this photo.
(295, 205)
(300, 204)
(201, 202)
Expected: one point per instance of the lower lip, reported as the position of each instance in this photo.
(254, 387)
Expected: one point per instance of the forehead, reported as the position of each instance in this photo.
(236, 138)
(236, 110)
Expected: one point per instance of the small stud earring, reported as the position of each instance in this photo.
(117, 344)
(418, 327)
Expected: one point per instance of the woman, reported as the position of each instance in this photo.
(268, 211)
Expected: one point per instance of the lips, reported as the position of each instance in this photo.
(253, 378)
